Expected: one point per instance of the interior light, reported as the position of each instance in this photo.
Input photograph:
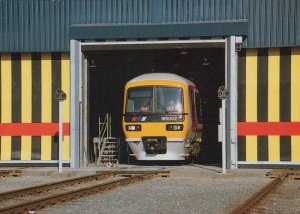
(205, 62)
(92, 64)
(183, 52)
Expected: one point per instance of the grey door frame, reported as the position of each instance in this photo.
(78, 101)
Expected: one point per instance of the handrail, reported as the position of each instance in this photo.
(104, 133)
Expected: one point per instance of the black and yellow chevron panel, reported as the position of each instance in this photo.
(29, 113)
(269, 105)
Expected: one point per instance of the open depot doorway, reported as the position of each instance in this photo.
(109, 70)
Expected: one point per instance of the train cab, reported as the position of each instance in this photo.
(162, 117)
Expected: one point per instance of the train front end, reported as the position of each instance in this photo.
(155, 119)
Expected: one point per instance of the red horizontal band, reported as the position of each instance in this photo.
(32, 129)
(268, 128)
(243, 128)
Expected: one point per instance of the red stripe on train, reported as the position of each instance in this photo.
(32, 129)
(268, 128)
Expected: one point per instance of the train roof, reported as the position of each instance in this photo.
(161, 76)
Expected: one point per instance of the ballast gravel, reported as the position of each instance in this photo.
(189, 189)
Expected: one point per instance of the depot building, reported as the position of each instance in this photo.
(89, 49)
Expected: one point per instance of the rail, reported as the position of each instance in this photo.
(53, 185)
(279, 176)
(47, 201)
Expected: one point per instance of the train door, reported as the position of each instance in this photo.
(196, 110)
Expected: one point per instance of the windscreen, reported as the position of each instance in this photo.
(139, 99)
(166, 99)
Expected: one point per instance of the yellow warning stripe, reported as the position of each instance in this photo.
(26, 103)
(65, 85)
(273, 100)
(295, 101)
(6, 103)
(251, 101)
(46, 85)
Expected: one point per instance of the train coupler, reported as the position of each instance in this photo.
(155, 145)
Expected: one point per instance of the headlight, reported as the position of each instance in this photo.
(133, 127)
(174, 127)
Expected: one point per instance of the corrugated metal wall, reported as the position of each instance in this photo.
(111, 11)
(43, 25)
(201, 10)
(273, 23)
(34, 25)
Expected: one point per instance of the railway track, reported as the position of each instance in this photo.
(42, 196)
(285, 199)
(283, 191)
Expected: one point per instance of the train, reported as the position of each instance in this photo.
(162, 117)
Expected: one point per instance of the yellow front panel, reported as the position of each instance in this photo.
(46, 77)
(157, 129)
(295, 101)
(6, 103)
(251, 101)
(26, 103)
(273, 100)
(65, 85)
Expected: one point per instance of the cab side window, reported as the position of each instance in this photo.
(198, 107)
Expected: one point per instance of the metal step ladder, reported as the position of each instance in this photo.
(109, 153)
(105, 146)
